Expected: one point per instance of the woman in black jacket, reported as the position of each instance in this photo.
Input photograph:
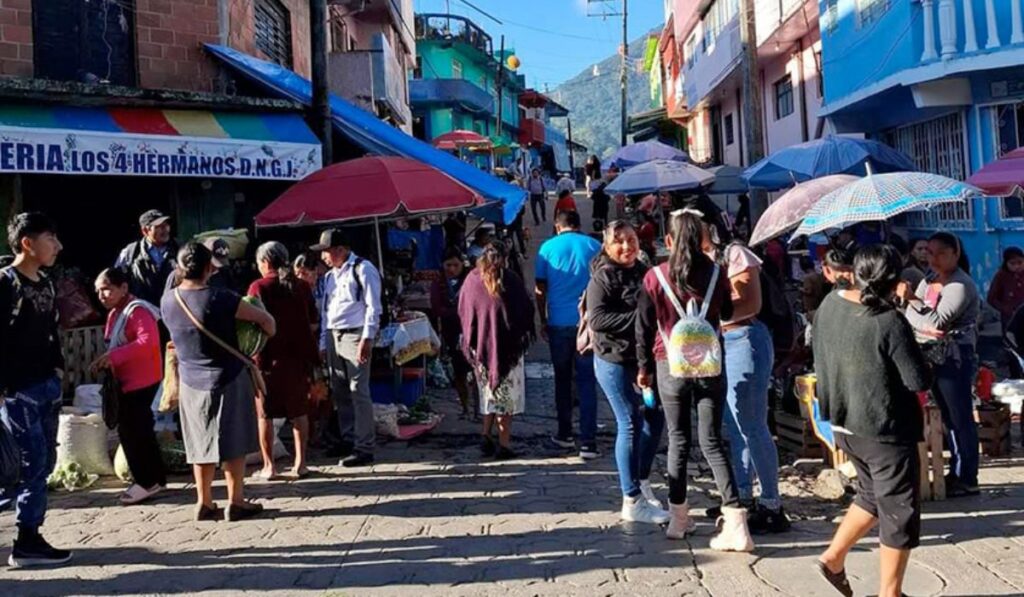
(615, 282)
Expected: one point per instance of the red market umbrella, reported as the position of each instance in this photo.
(459, 139)
(370, 187)
(1003, 177)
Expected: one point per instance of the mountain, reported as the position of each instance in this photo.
(593, 101)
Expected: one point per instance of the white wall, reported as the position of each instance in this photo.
(780, 133)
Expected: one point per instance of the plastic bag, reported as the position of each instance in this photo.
(169, 386)
(10, 454)
(88, 398)
(121, 468)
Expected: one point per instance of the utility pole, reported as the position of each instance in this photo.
(752, 101)
(572, 152)
(320, 109)
(624, 65)
(499, 82)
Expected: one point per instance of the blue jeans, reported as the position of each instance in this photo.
(953, 392)
(749, 356)
(33, 414)
(638, 429)
(564, 357)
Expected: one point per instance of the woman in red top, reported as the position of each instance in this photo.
(288, 359)
(1006, 294)
(134, 360)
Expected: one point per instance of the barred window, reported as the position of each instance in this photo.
(274, 31)
(783, 97)
(869, 11)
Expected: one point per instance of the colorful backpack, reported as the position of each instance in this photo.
(693, 347)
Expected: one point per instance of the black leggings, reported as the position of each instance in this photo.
(135, 428)
(678, 397)
(540, 200)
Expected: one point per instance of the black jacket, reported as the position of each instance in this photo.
(611, 303)
(30, 350)
(147, 278)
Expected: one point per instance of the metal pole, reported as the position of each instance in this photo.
(320, 110)
(499, 83)
(380, 249)
(625, 72)
(572, 152)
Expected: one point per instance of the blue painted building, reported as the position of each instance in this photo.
(943, 81)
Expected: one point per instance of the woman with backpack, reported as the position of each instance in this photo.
(749, 358)
(611, 303)
(679, 345)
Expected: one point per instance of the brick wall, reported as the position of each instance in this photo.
(16, 38)
(169, 39)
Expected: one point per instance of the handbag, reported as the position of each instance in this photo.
(169, 387)
(10, 455)
(258, 382)
(111, 393)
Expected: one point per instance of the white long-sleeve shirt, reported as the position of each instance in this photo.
(565, 184)
(342, 310)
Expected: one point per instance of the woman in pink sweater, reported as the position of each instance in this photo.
(133, 357)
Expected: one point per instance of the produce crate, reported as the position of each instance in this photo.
(794, 434)
(994, 430)
(933, 462)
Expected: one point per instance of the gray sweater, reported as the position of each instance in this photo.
(955, 314)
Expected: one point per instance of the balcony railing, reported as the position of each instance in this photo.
(452, 28)
(374, 78)
(951, 27)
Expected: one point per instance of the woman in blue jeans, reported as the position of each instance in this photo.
(945, 309)
(749, 357)
(611, 301)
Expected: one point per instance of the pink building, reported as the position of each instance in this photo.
(706, 37)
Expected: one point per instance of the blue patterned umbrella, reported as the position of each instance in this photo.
(881, 196)
(821, 157)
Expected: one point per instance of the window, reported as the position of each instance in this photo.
(831, 15)
(936, 146)
(417, 71)
(1011, 208)
(730, 136)
(456, 69)
(719, 14)
(691, 50)
(783, 97)
(1008, 120)
(274, 31)
(89, 42)
(869, 11)
(817, 71)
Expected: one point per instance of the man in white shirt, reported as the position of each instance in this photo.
(351, 319)
(566, 183)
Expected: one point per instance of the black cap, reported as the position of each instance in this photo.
(153, 217)
(221, 251)
(330, 239)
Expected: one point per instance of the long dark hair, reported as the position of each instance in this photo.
(877, 269)
(1011, 253)
(710, 214)
(491, 264)
(953, 242)
(115, 276)
(276, 255)
(687, 232)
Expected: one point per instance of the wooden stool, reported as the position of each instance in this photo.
(933, 480)
(994, 430)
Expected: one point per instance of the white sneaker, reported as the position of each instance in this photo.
(648, 492)
(638, 510)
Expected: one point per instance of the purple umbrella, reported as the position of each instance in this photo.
(788, 211)
(642, 152)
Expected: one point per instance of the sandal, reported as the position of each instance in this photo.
(301, 473)
(836, 579)
(261, 475)
(136, 494)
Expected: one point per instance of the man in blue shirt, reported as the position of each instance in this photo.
(562, 275)
(349, 325)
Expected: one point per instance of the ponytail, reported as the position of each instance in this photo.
(877, 271)
(491, 264)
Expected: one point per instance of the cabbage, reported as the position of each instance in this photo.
(251, 338)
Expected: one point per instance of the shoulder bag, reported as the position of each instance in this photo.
(254, 371)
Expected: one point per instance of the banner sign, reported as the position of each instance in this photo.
(59, 151)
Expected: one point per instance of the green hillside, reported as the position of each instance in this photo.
(593, 101)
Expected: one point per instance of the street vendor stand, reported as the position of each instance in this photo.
(374, 191)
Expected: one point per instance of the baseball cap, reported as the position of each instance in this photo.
(153, 217)
(330, 239)
(221, 251)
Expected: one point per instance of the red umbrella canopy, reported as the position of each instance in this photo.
(1003, 177)
(366, 188)
(461, 138)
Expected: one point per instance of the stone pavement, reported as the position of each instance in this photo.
(434, 518)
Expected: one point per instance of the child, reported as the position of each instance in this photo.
(1006, 294)
(565, 202)
(31, 368)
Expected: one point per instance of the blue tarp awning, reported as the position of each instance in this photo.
(378, 137)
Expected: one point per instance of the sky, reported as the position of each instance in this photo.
(554, 39)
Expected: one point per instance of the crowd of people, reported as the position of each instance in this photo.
(694, 334)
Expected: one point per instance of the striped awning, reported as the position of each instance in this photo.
(118, 141)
